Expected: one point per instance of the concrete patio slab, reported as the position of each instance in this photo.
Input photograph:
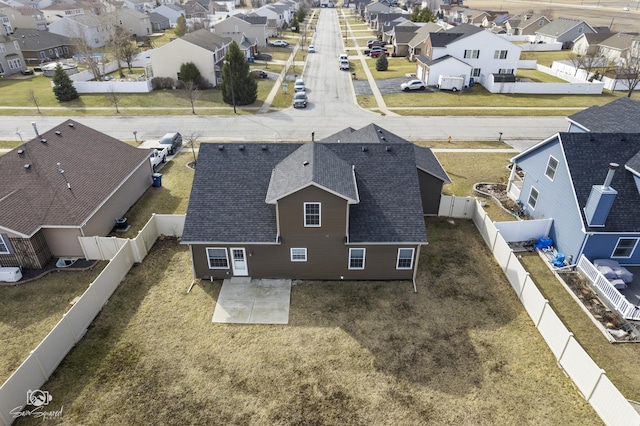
(247, 301)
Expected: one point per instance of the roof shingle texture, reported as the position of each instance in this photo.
(94, 165)
(621, 115)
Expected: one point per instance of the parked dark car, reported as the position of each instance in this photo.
(377, 53)
(300, 100)
(372, 43)
(173, 141)
(259, 73)
(27, 71)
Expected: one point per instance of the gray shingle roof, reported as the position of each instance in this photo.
(312, 164)
(618, 41)
(230, 187)
(588, 156)
(252, 19)
(620, 115)
(156, 18)
(38, 196)
(31, 39)
(428, 163)
(423, 32)
(206, 39)
(559, 26)
(371, 133)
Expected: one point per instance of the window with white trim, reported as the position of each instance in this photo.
(533, 197)
(356, 258)
(2, 48)
(500, 54)
(42, 54)
(625, 247)
(473, 54)
(475, 72)
(405, 258)
(552, 166)
(4, 247)
(312, 213)
(505, 71)
(218, 258)
(1, 69)
(298, 254)
(15, 64)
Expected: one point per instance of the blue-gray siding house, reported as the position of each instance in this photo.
(589, 184)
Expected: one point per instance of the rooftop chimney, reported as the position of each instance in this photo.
(601, 200)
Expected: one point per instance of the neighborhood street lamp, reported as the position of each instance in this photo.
(135, 135)
(233, 94)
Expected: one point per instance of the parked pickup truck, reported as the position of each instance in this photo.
(158, 156)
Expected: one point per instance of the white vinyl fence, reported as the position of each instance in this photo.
(592, 382)
(524, 230)
(43, 360)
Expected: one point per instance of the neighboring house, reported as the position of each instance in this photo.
(463, 15)
(615, 48)
(195, 12)
(400, 36)
(430, 70)
(24, 17)
(159, 22)
(281, 10)
(375, 7)
(59, 10)
(587, 44)
(205, 49)
(5, 25)
(563, 30)
(485, 52)
(349, 207)
(43, 46)
(526, 24)
(11, 59)
(270, 13)
(253, 27)
(589, 184)
(143, 6)
(58, 187)
(90, 28)
(382, 22)
(170, 11)
(620, 115)
(134, 23)
(416, 46)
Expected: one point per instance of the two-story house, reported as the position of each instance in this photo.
(399, 36)
(271, 14)
(416, 46)
(205, 49)
(615, 48)
(467, 51)
(170, 11)
(24, 17)
(349, 207)
(11, 59)
(134, 23)
(253, 27)
(142, 6)
(42, 46)
(91, 29)
(563, 30)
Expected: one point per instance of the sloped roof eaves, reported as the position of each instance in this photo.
(206, 40)
(31, 39)
(428, 163)
(617, 41)
(43, 198)
(559, 26)
(588, 156)
(620, 115)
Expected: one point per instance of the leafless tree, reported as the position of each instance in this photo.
(191, 92)
(114, 97)
(630, 72)
(34, 99)
(191, 141)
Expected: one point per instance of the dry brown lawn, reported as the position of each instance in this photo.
(460, 351)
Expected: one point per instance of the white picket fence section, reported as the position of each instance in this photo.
(44, 359)
(592, 382)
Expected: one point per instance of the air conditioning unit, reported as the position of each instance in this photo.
(10, 274)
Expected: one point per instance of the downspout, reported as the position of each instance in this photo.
(193, 270)
(415, 268)
(511, 176)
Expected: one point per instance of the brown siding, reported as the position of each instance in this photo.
(63, 242)
(32, 253)
(431, 191)
(327, 253)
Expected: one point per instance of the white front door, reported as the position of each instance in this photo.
(239, 262)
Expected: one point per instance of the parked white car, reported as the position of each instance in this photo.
(311, 49)
(413, 85)
(280, 43)
(298, 86)
(344, 65)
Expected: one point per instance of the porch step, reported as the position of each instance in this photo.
(240, 280)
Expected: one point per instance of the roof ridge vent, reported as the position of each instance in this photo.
(220, 147)
(27, 166)
(365, 149)
(263, 147)
(383, 139)
(241, 147)
(71, 125)
(58, 132)
(305, 163)
(43, 140)
(387, 148)
(20, 151)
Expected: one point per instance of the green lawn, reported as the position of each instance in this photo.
(546, 58)
(398, 67)
(538, 76)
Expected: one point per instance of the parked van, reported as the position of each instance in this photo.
(10, 274)
(343, 57)
(447, 82)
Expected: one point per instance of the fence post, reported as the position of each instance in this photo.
(493, 245)
(506, 266)
(546, 303)
(565, 347)
(588, 397)
(35, 355)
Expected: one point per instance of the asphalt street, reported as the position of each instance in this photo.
(332, 108)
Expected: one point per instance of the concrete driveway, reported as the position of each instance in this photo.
(251, 301)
